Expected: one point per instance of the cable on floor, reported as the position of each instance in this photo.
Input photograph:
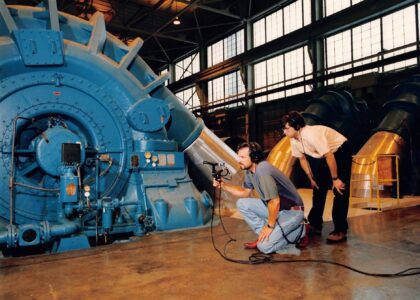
(261, 258)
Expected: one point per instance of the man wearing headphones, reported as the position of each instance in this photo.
(325, 156)
(276, 217)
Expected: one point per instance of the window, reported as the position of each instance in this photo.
(275, 74)
(189, 98)
(260, 80)
(338, 52)
(399, 30)
(215, 54)
(259, 32)
(227, 86)
(226, 48)
(283, 21)
(187, 66)
(274, 25)
(293, 17)
(333, 6)
(362, 44)
(285, 69)
(366, 44)
(296, 69)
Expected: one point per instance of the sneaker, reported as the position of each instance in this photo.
(251, 245)
(304, 242)
(336, 237)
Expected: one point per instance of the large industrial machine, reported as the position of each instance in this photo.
(92, 144)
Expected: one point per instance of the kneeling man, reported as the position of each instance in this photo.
(277, 216)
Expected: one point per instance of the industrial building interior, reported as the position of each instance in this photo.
(115, 116)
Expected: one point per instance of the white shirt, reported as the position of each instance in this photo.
(316, 141)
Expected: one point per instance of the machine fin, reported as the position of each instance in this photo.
(155, 83)
(98, 36)
(7, 17)
(53, 12)
(132, 53)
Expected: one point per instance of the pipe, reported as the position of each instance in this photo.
(10, 237)
(388, 141)
(281, 156)
(12, 167)
(66, 227)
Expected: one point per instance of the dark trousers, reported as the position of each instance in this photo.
(322, 177)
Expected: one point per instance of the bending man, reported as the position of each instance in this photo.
(325, 156)
(276, 217)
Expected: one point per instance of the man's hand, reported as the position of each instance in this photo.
(313, 183)
(339, 186)
(264, 234)
(218, 183)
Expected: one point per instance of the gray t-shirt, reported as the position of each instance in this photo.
(270, 183)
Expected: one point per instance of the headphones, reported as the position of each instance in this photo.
(255, 152)
(296, 120)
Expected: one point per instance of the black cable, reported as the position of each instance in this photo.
(261, 258)
(211, 230)
(221, 219)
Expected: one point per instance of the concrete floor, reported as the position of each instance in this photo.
(184, 265)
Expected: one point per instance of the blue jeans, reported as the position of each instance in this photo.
(255, 214)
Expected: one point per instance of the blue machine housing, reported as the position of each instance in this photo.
(67, 81)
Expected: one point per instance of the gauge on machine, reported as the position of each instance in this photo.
(147, 155)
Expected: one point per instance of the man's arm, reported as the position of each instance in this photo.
(332, 165)
(307, 169)
(233, 189)
(273, 211)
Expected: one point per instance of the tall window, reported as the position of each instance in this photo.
(333, 6)
(338, 54)
(189, 98)
(226, 48)
(225, 87)
(399, 30)
(366, 44)
(187, 66)
(285, 69)
(362, 44)
(283, 21)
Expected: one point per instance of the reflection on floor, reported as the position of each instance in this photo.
(360, 206)
(184, 265)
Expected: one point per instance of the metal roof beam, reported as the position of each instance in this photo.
(151, 34)
(218, 11)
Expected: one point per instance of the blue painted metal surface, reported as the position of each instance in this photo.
(39, 47)
(65, 80)
(69, 189)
